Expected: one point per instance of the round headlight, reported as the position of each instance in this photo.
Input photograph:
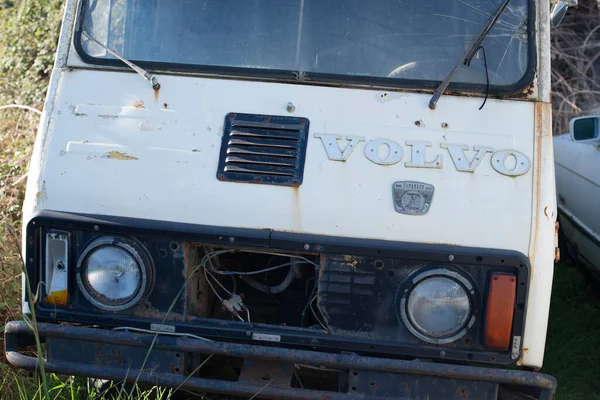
(113, 273)
(437, 307)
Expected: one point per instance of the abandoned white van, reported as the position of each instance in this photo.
(298, 199)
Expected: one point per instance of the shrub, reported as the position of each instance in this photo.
(29, 31)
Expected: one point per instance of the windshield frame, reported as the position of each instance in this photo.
(324, 79)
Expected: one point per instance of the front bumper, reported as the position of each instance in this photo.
(113, 357)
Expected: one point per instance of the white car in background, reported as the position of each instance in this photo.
(577, 159)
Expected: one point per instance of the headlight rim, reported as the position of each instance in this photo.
(133, 248)
(419, 276)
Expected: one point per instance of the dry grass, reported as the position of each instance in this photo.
(17, 133)
(576, 65)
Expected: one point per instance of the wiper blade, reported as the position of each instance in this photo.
(141, 72)
(468, 55)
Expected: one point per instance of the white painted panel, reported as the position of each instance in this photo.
(105, 155)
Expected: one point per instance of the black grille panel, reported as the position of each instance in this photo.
(263, 149)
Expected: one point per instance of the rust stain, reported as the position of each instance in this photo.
(351, 261)
(527, 92)
(139, 104)
(539, 129)
(198, 301)
(165, 106)
(556, 248)
(118, 155)
(150, 312)
(156, 94)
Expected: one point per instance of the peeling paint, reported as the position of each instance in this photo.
(42, 195)
(117, 155)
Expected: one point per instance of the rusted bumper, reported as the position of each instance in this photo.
(18, 335)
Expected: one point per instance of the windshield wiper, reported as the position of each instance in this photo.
(468, 55)
(141, 72)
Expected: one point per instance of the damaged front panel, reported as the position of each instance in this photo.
(268, 293)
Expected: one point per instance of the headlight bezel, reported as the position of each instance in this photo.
(140, 255)
(419, 276)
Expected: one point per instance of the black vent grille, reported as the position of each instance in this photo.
(263, 149)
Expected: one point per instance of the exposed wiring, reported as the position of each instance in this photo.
(234, 303)
(212, 287)
(283, 255)
(141, 330)
(312, 278)
(315, 314)
(292, 274)
(210, 250)
(219, 283)
(260, 271)
(308, 304)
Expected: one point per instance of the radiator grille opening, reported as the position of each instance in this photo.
(263, 149)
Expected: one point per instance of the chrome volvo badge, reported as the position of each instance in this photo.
(412, 198)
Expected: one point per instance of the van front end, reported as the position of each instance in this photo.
(281, 209)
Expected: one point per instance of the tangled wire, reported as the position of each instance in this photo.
(576, 65)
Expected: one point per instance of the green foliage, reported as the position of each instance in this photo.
(572, 355)
(28, 36)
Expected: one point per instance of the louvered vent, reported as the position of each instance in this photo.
(263, 149)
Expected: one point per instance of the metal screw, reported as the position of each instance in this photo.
(248, 333)
(306, 247)
(96, 227)
(450, 257)
(442, 353)
(60, 265)
(231, 239)
(290, 107)
(445, 125)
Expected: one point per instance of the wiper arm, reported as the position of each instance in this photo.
(141, 72)
(468, 55)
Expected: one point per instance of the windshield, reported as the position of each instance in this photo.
(381, 43)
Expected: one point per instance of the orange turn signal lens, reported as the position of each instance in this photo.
(500, 311)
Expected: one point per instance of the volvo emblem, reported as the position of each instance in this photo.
(412, 198)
